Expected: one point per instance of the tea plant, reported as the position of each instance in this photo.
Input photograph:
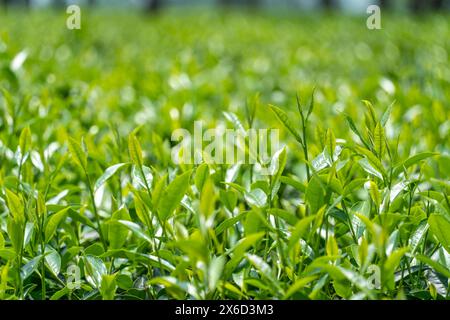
(354, 206)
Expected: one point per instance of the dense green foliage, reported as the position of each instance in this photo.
(356, 205)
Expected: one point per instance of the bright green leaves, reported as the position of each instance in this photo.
(332, 248)
(239, 250)
(256, 198)
(24, 142)
(95, 270)
(285, 120)
(379, 140)
(372, 165)
(374, 193)
(440, 226)
(201, 176)
(79, 157)
(445, 271)
(16, 221)
(330, 146)
(117, 233)
(206, 189)
(2, 241)
(108, 287)
(173, 194)
(135, 150)
(108, 174)
(208, 199)
(315, 194)
(215, 270)
(53, 223)
(415, 159)
(15, 206)
(390, 266)
(142, 211)
(300, 230)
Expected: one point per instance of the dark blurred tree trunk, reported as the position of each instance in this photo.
(91, 3)
(385, 3)
(418, 5)
(327, 4)
(253, 3)
(6, 3)
(59, 3)
(153, 5)
(28, 3)
(438, 4)
(421, 5)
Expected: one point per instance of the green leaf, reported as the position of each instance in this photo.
(355, 130)
(142, 212)
(135, 150)
(117, 233)
(16, 234)
(311, 103)
(108, 287)
(15, 206)
(371, 110)
(373, 160)
(158, 191)
(109, 172)
(256, 198)
(207, 199)
(286, 215)
(53, 260)
(417, 236)
(25, 140)
(135, 228)
(7, 254)
(2, 241)
(284, 119)
(435, 265)
(215, 271)
(201, 176)
(229, 223)
(391, 264)
(298, 285)
(440, 226)
(315, 194)
(332, 248)
(277, 165)
(264, 269)
(30, 267)
(330, 146)
(173, 195)
(60, 293)
(375, 194)
(54, 222)
(399, 168)
(386, 114)
(293, 183)
(379, 142)
(78, 155)
(236, 122)
(300, 230)
(94, 269)
(239, 250)
(364, 163)
(143, 178)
